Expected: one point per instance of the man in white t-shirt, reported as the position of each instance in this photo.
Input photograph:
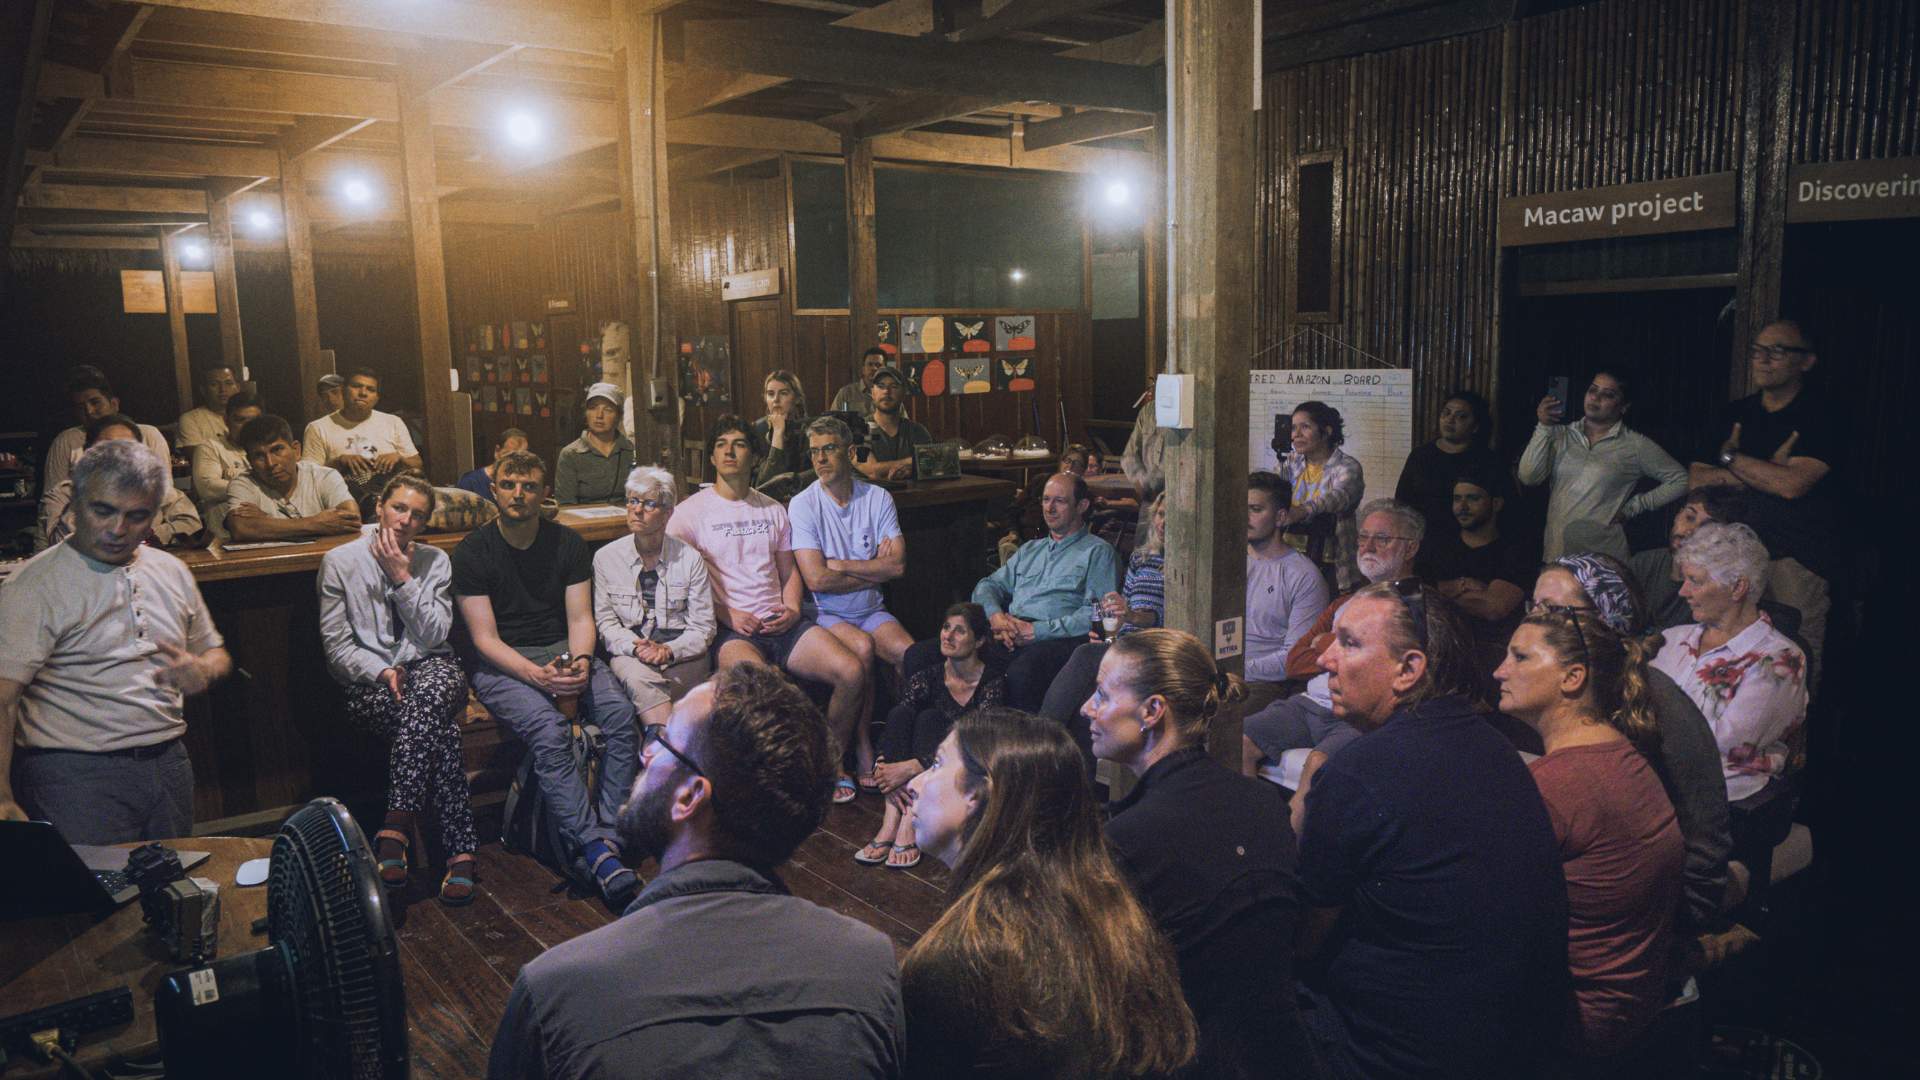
(747, 541)
(208, 421)
(92, 397)
(283, 497)
(365, 446)
(104, 637)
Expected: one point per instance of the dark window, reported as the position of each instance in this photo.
(820, 234)
(1315, 267)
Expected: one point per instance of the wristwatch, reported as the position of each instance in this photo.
(1726, 458)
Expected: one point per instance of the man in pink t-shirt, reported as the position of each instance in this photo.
(757, 590)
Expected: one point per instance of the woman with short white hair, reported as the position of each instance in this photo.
(652, 602)
(1748, 678)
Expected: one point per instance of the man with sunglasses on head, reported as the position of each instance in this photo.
(1779, 444)
(715, 968)
(1435, 935)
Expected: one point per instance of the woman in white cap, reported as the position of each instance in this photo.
(594, 467)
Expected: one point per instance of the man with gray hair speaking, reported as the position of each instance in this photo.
(105, 638)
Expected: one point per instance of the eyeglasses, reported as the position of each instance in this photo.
(1777, 352)
(657, 733)
(825, 451)
(1573, 616)
(646, 504)
(1408, 590)
(1382, 539)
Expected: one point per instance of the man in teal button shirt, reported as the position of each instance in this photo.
(1041, 603)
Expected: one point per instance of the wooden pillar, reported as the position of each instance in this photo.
(1212, 211)
(642, 88)
(176, 318)
(226, 290)
(1155, 235)
(429, 282)
(306, 309)
(863, 265)
(1765, 133)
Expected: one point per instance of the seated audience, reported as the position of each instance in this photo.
(219, 461)
(1389, 539)
(1684, 757)
(715, 969)
(207, 421)
(480, 479)
(847, 543)
(176, 525)
(284, 496)
(933, 699)
(1486, 574)
(1141, 602)
(1285, 593)
(594, 467)
(1080, 460)
(104, 639)
(1583, 687)
(891, 437)
(523, 586)
(784, 429)
(1746, 677)
(747, 540)
(365, 446)
(1208, 851)
(1043, 964)
(652, 601)
(1593, 466)
(1781, 445)
(1436, 924)
(1328, 484)
(385, 613)
(329, 393)
(1042, 602)
(92, 397)
(857, 396)
(1426, 480)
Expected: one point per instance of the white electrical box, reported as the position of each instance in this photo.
(1173, 401)
(749, 285)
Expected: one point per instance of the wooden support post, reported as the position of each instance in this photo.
(642, 89)
(1765, 132)
(1212, 210)
(176, 317)
(1155, 228)
(226, 289)
(863, 269)
(429, 283)
(306, 309)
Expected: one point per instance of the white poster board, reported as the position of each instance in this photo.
(1376, 406)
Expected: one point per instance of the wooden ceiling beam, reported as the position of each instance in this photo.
(121, 199)
(312, 133)
(834, 54)
(23, 40)
(1082, 127)
(1387, 32)
(497, 23)
(1005, 16)
(160, 158)
(708, 160)
(700, 89)
(32, 216)
(799, 136)
(424, 72)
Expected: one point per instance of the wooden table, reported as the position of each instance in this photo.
(54, 959)
(1111, 486)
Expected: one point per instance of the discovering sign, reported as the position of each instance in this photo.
(1854, 190)
(1661, 206)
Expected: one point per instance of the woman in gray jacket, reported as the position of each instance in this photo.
(385, 610)
(651, 601)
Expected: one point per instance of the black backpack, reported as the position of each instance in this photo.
(529, 829)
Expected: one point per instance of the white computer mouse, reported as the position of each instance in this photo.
(252, 872)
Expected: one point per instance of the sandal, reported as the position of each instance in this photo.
(874, 854)
(844, 791)
(895, 860)
(456, 889)
(393, 872)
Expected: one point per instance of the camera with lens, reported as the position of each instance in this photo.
(183, 912)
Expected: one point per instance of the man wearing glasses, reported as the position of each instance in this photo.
(652, 602)
(1780, 444)
(716, 969)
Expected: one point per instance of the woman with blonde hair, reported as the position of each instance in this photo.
(1210, 852)
(1584, 688)
(784, 428)
(1044, 964)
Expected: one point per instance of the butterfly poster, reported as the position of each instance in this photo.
(1013, 333)
(970, 334)
(887, 335)
(1013, 373)
(930, 374)
(971, 375)
(473, 370)
(537, 330)
(522, 369)
(538, 365)
(922, 334)
(523, 401)
(490, 368)
(486, 337)
(543, 402)
(522, 339)
(490, 398)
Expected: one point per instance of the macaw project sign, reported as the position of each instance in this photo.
(1854, 190)
(1685, 204)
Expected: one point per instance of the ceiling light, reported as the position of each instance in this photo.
(193, 251)
(524, 128)
(357, 191)
(259, 220)
(1118, 193)
(1018, 275)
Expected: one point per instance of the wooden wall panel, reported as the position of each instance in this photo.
(1856, 81)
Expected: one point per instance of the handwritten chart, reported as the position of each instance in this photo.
(1376, 405)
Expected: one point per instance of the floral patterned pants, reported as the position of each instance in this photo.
(422, 730)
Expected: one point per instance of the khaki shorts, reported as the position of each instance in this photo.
(650, 686)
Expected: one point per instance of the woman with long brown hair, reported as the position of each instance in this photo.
(1584, 688)
(1044, 964)
(1209, 851)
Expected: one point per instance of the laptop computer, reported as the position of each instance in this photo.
(47, 876)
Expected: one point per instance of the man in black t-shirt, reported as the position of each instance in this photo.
(524, 587)
(1486, 574)
(1781, 443)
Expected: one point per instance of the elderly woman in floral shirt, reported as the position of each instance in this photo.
(1748, 678)
(1327, 487)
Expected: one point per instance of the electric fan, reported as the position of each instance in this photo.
(324, 998)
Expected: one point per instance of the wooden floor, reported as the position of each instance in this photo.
(460, 962)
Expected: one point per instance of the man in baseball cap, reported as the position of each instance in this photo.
(593, 468)
(328, 393)
(890, 435)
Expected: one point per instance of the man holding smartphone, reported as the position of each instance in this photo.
(524, 587)
(1593, 466)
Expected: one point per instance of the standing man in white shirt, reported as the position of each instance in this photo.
(365, 446)
(1593, 466)
(92, 398)
(105, 639)
(208, 421)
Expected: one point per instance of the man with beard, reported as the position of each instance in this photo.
(890, 435)
(857, 396)
(715, 968)
(1486, 574)
(283, 496)
(1389, 538)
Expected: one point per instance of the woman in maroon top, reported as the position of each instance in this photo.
(1584, 688)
